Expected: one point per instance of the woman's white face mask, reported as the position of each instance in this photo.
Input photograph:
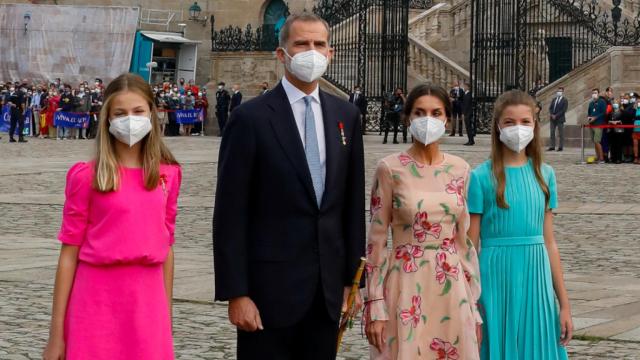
(516, 137)
(130, 129)
(427, 129)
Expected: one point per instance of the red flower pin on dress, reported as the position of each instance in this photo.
(163, 183)
(341, 127)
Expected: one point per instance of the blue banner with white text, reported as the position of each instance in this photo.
(189, 117)
(5, 121)
(70, 120)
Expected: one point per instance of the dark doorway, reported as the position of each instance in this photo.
(559, 53)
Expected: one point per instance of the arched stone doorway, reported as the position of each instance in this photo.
(275, 14)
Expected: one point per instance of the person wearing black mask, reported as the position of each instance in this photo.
(16, 100)
(223, 100)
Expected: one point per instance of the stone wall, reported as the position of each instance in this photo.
(249, 70)
(618, 67)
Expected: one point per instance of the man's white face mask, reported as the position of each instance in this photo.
(307, 66)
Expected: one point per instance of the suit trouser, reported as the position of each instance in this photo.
(313, 338)
(471, 131)
(553, 124)
(222, 120)
(616, 141)
(17, 122)
(456, 122)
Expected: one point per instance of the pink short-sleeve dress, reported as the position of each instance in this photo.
(118, 307)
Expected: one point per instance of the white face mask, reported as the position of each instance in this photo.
(625, 101)
(307, 66)
(559, 93)
(427, 130)
(594, 96)
(130, 129)
(516, 137)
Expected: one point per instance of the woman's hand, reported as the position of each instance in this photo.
(479, 335)
(375, 334)
(54, 350)
(566, 326)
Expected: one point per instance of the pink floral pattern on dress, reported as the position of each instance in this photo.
(376, 205)
(445, 270)
(408, 253)
(412, 315)
(423, 228)
(406, 160)
(444, 350)
(456, 186)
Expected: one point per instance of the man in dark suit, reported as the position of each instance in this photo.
(288, 224)
(467, 112)
(557, 111)
(222, 106)
(456, 94)
(236, 98)
(360, 101)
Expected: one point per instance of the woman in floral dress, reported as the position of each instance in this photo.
(421, 293)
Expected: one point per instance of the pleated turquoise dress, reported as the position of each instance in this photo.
(518, 302)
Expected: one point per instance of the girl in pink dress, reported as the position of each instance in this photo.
(421, 294)
(113, 290)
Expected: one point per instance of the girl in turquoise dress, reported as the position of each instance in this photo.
(511, 198)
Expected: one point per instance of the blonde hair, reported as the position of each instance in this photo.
(533, 150)
(154, 151)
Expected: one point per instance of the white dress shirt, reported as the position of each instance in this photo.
(296, 99)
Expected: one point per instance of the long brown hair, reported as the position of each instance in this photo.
(533, 150)
(154, 151)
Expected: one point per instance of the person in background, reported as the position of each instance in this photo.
(96, 106)
(636, 134)
(161, 104)
(358, 99)
(188, 103)
(181, 86)
(467, 112)
(174, 104)
(193, 87)
(616, 136)
(16, 100)
(236, 98)
(222, 106)
(265, 88)
(596, 116)
(394, 116)
(557, 111)
(84, 106)
(609, 99)
(629, 114)
(36, 110)
(457, 97)
(201, 104)
(53, 104)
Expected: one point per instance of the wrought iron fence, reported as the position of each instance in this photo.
(420, 4)
(233, 38)
(526, 44)
(370, 39)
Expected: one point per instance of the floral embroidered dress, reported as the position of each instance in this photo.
(426, 284)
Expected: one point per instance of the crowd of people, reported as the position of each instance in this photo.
(33, 106)
(615, 126)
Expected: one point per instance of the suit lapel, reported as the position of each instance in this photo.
(284, 125)
(332, 142)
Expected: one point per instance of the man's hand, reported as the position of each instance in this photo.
(244, 314)
(357, 305)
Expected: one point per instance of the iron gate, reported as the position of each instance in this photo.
(526, 44)
(370, 39)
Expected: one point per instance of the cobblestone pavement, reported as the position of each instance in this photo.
(597, 228)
